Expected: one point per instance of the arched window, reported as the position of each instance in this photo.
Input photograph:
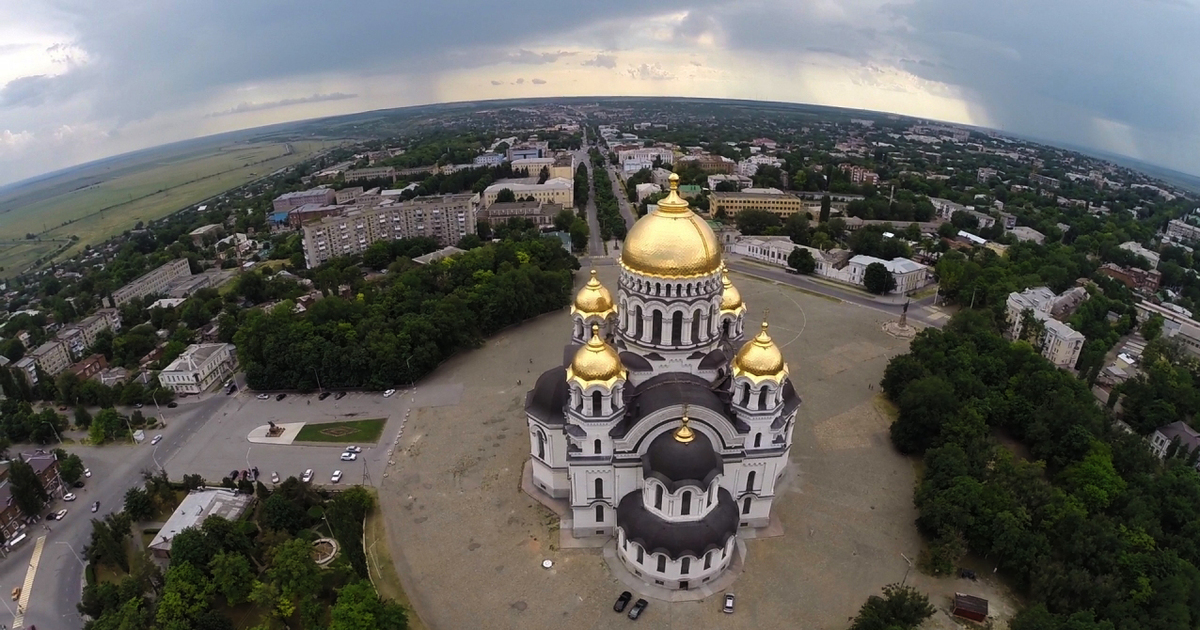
(599, 513)
(662, 563)
(750, 481)
(685, 565)
(541, 438)
(639, 324)
(725, 329)
(696, 327)
(658, 492)
(757, 441)
(599, 487)
(686, 508)
(762, 398)
(657, 288)
(677, 328)
(640, 556)
(746, 506)
(746, 395)
(656, 327)
(597, 403)
(596, 446)
(708, 560)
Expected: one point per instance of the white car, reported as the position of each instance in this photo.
(156, 440)
(274, 477)
(349, 457)
(388, 393)
(262, 396)
(96, 506)
(58, 516)
(307, 476)
(337, 476)
(353, 449)
(87, 472)
(70, 496)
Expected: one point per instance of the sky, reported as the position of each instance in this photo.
(81, 80)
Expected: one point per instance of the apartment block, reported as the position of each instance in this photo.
(52, 357)
(770, 199)
(446, 218)
(1177, 324)
(1060, 343)
(1043, 181)
(542, 214)
(1183, 231)
(559, 190)
(383, 172)
(321, 196)
(154, 282)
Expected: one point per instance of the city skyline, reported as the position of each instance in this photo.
(82, 83)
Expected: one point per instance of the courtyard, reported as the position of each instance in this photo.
(469, 544)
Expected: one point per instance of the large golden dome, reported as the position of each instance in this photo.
(671, 242)
(593, 299)
(595, 362)
(731, 298)
(760, 359)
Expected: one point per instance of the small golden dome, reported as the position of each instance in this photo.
(684, 433)
(593, 298)
(731, 298)
(671, 242)
(760, 359)
(596, 362)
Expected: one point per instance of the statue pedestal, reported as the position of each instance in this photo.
(899, 330)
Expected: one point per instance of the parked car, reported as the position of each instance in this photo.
(728, 607)
(307, 476)
(349, 457)
(388, 393)
(70, 496)
(87, 472)
(172, 405)
(274, 477)
(16, 593)
(622, 602)
(323, 396)
(280, 396)
(51, 516)
(138, 406)
(156, 440)
(58, 516)
(353, 449)
(262, 396)
(339, 395)
(637, 609)
(78, 484)
(96, 506)
(337, 476)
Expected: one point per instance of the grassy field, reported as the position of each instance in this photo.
(347, 431)
(103, 202)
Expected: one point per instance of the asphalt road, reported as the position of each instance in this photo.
(595, 243)
(115, 468)
(622, 197)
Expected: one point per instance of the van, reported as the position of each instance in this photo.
(15, 541)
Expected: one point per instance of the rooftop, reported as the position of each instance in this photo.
(197, 506)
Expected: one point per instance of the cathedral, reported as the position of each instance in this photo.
(664, 427)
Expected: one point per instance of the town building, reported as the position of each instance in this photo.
(1009, 220)
(908, 274)
(312, 212)
(1182, 231)
(198, 368)
(643, 191)
(634, 160)
(769, 199)
(739, 181)
(776, 249)
(89, 367)
(212, 230)
(1150, 255)
(528, 150)
(488, 159)
(52, 357)
(1133, 277)
(985, 175)
(1043, 181)
(749, 166)
(1161, 439)
(1025, 233)
(155, 282)
(13, 524)
(197, 506)
(542, 214)
(654, 431)
(1059, 343)
(381, 172)
(446, 218)
(711, 163)
(859, 175)
(319, 196)
(558, 190)
(1177, 324)
(435, 256)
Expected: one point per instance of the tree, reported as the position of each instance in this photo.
(947, 230)
(358, 606)
(105, 426)
(796, 228)
(293, 569)
(505, 195)
(826, 205)
(193, 547)
(564, 219)
(27, 490)
(924, 405)
(281, 513)
(138, 505)
(83, 419)
(900, 608)
(878, 280)
(185, 596)
(70, 466)
(1153, 327)
(802, 260)
(232, 576)
(755, 222)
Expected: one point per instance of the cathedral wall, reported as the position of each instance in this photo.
(658, 569)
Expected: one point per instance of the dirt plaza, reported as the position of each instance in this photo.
(469, 544)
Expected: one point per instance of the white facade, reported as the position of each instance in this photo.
(557, 190)
(1136, 248)
(776, 249)
(198, 368)
(908, 274)
(154, 282)
(1060, 343)
(646, 155)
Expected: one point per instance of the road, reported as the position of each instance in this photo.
(57, 581)
(622, 197)
(920, 311)
(595, 243)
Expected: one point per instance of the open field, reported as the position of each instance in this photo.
(100, 202)
(347, 431)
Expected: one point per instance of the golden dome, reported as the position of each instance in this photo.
(596, 362)
(593, 298)
(731, 298)
(760, 359)
(671, 242)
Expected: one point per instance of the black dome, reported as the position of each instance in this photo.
(686, 538)
(675, 462)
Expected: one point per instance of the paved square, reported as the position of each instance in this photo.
(469, 544)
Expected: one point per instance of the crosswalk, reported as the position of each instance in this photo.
(27, 588)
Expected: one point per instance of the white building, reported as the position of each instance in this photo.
(1060, 343)
(1177, 324)
(198, 368)
(645, 190)
(1160, 440)
(776, 249)
(654, 431)
(559, 190)
(1136, 248)
(634, 160)
(908, 274)
(1026, 233)
(488, 159)
(749, 166)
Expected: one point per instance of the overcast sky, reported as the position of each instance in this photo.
(84, 79)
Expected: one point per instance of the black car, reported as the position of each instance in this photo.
(622, 601)
(323, 396)
(637, 609)
(281, 397)
(51, 516)
(77, 484)
(172, 405)
(339, 395)
(234, 475)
